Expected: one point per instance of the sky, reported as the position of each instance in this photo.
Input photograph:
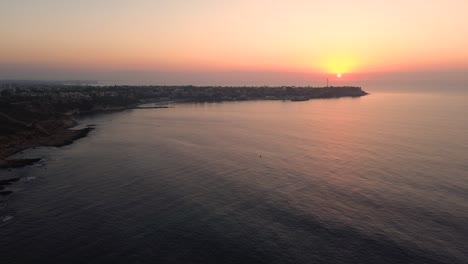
(188, 41)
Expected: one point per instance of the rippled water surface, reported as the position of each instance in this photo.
(377, 179)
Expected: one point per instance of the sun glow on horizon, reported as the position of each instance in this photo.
(340, 64)
(195, 36)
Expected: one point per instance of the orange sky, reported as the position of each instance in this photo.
(207, 35)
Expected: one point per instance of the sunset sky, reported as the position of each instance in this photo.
(91, 38)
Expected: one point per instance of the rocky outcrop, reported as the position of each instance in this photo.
(4, 183)
(16, 163)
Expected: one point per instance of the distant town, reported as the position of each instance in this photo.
(76, 91)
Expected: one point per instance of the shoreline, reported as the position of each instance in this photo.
(58, 139)
(62, 137)
(25, 125)
(66, 135)
(42, 117)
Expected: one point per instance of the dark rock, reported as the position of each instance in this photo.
(74, 135)
(5, 193)
(17, 163)
(9, 181)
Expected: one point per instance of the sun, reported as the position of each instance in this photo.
(338, 75)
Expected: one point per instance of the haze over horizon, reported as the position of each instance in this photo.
(234, 43)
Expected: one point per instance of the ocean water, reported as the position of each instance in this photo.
(377, 179)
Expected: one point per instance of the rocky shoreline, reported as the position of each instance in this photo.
(60, 138)
(27, 137)
(7, 182)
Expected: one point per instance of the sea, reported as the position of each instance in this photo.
(377, 179)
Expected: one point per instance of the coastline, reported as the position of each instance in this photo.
(58, 139)
(62, 136)
(28, 122)
(34, 117)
